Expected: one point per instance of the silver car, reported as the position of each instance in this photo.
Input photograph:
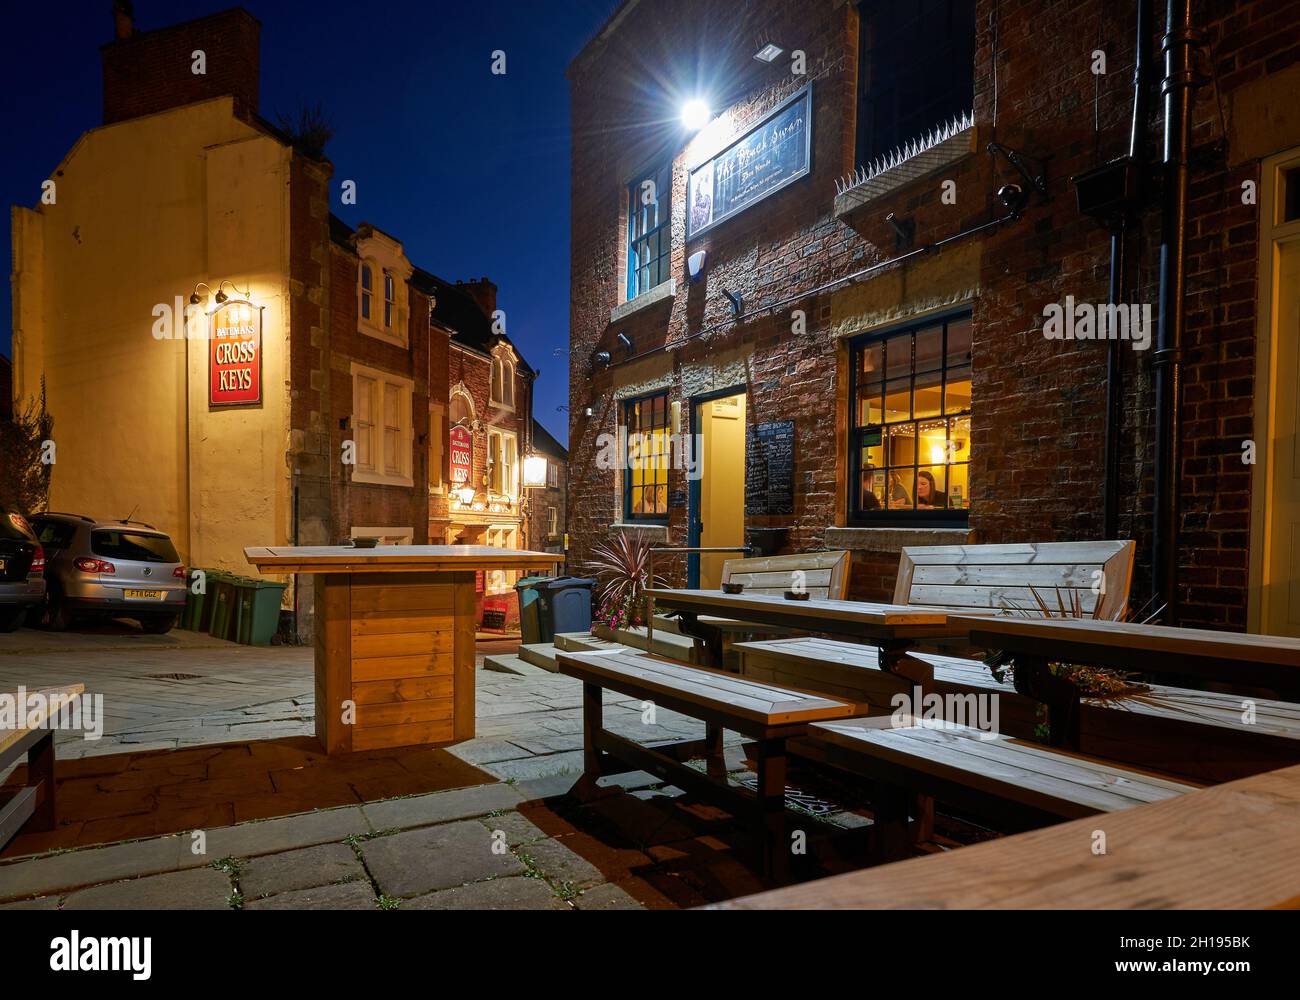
(109, 569)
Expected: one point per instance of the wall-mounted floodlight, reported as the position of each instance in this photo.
(769, 53)
(695, 114)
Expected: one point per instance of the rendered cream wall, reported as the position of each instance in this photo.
(145, 210)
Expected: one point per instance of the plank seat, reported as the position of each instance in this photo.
(1018, 785)
(768, 714)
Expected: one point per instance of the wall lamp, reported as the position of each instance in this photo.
(769, 53)
(737, 301)
(696, 114)
(195, 298)
(625, 340)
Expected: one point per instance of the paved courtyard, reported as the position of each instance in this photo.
(519, 843)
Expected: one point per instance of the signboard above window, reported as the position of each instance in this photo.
(775, 152)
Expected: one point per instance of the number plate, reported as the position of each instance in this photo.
(143, 595)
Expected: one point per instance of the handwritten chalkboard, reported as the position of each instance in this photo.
(775, 152)
(769, 469)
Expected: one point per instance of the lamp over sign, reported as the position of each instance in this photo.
(534, 471)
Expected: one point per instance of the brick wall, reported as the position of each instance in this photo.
(1037, 438)
(153, 71)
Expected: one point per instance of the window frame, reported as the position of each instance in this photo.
(946, 518)
(376, 471)
(664, 215)
(507, 444)
(628, 405)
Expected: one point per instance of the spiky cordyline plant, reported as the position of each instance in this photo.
(1094, 682)
(621, 566)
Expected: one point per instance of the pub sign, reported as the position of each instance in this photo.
(235, 355)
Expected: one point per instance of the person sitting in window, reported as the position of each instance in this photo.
(928, 495)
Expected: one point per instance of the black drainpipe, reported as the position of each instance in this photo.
(1177, 88)
(1118, 269)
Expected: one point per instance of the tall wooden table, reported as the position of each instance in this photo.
(395, 637)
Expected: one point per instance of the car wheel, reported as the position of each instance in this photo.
(55, 614)
(158, 626)
(12, 618)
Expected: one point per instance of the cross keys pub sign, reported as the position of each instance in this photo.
(235, 355)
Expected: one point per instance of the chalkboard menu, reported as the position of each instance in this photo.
(769, 469)
(774, 153)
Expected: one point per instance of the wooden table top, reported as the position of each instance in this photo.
(1157, 858)
(816, 614)
(395, 558)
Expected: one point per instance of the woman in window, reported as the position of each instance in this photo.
(928, 494)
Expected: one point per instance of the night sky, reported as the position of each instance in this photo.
(469, 170)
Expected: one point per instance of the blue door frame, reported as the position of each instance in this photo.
(693, 491)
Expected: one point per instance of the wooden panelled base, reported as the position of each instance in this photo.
(394, 659)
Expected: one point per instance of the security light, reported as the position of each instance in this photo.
(695, 114)
(769, 53)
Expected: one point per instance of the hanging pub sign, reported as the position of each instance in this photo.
(462, 454)
(775, 152)
(235, 355)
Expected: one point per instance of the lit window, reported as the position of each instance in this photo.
(382, 427)
(910, 395)
(645, 466)
(503, 463)
(365, 423)
(649, 230)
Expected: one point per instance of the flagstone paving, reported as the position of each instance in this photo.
(522, 843)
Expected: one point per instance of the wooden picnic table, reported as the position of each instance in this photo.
(1266, 661)
(395, 631)
(1156, 858)
(892, 628)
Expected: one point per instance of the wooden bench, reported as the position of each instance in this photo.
(767, 714)
(34, 738)
(1158, 857)
(1016, 785)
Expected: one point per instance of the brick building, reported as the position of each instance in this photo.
(878, 202)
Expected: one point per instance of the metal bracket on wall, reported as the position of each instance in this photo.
(1035, 175)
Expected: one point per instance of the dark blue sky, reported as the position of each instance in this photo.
(469, 170)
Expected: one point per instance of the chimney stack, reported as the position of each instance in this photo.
(483, 292)
(123, 19)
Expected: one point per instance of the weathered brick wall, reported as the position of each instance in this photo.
(1037, 448)
(153, 71)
